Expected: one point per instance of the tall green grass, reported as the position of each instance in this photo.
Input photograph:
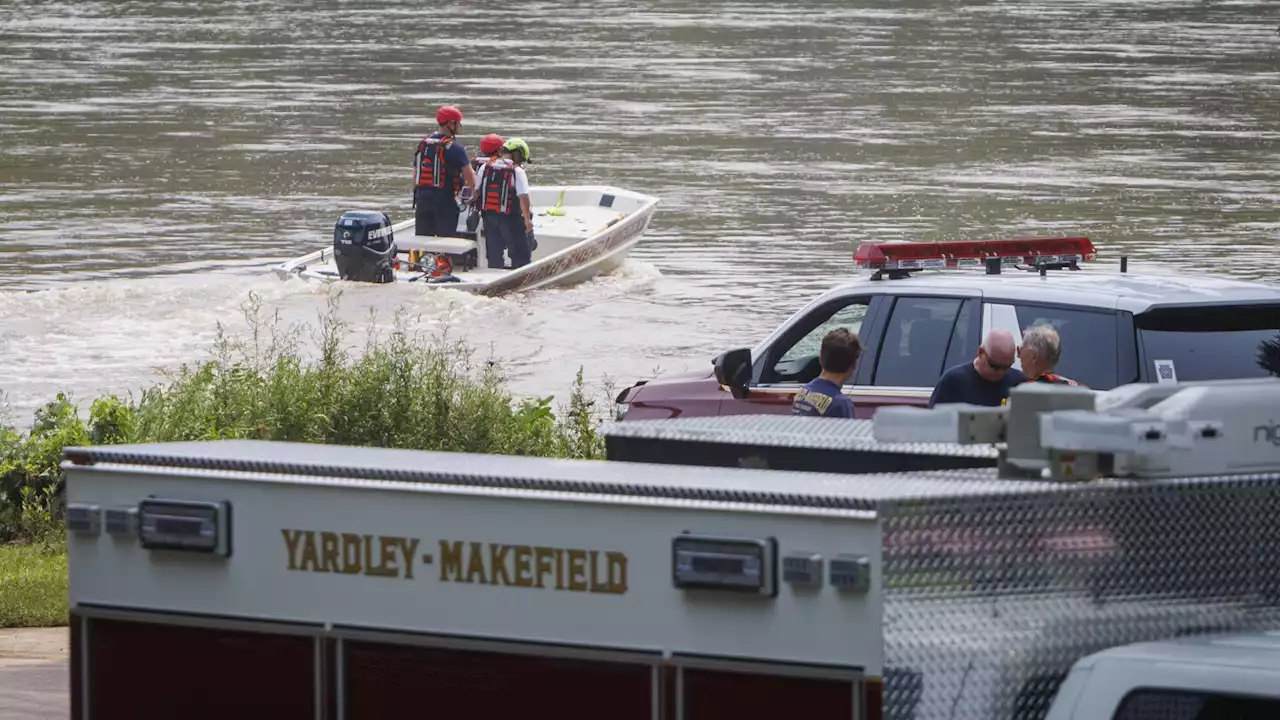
(396, 389)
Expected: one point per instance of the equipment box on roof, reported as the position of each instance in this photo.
(783, 442)
(282, 580)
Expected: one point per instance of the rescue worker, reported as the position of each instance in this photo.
(1039, 353)
(984, 381)
(822, 396)
(520, 159)
(490, 149)
(503, 193)
(440, 167)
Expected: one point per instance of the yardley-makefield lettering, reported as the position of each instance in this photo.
(351, 554)
(476, 563)
(533, 566)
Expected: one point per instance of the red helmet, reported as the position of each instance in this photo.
(490, 144)
(448, 114)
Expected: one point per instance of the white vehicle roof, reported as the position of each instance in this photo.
(1259, 651)
(1132, 292)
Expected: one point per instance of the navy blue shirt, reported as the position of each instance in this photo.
(963, 384)
(821, 398)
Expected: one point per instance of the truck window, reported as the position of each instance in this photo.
(963, 348)
(1088, 341)
(798, 361)
(1164, 704)
(1218, 343)
(915, 344)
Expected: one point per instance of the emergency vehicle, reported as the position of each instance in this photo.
(259, 579)
(924, 307)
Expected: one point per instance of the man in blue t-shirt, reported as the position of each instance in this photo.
(441, 169)
(986, 380)
(821, 396)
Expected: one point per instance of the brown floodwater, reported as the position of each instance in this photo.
(159, 157)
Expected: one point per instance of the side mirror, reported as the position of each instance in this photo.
(733, 369)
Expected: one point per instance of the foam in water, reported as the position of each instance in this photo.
(120, 335)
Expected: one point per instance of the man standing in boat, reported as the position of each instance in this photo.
(490, 149)
(503, 190)
(440, 167)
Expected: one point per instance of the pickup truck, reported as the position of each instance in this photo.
(917, 315)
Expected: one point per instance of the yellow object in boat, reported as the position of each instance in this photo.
(558, 210)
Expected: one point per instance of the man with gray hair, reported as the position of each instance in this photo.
(986, 380)
(1039, 353)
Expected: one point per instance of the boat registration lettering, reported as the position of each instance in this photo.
(478, 563)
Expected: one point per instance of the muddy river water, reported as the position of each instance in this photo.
(159, 157)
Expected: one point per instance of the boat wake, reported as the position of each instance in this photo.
(118, 336)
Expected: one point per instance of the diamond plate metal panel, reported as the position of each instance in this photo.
(783, 442)
(290, 461)
(782, 431)
(989, 601)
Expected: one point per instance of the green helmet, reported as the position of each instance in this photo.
(515, 144)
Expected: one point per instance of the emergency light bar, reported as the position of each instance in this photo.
(975, 253)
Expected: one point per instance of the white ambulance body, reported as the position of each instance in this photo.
(256, 579)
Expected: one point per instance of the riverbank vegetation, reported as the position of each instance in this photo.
(33, 587)
(395, 389)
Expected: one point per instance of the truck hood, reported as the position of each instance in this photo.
(627, 394)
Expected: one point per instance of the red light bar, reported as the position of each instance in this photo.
(964, 253)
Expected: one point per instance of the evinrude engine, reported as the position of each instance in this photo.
(364, 247)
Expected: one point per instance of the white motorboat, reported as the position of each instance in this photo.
(581, 231)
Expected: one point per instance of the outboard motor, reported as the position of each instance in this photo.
(364, 247)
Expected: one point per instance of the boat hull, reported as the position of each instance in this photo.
(563, 257)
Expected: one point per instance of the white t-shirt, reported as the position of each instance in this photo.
(522, 179)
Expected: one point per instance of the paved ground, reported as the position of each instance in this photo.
(33, 674)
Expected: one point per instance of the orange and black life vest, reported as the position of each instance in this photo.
(429, 166)
(499, 191)
(1053, 379)
(477, 163)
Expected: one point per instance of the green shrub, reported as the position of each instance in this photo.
(30, 473)
(401, 390)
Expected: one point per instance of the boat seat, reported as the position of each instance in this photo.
(435, 244)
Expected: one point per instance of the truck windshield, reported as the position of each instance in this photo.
(1211, 343)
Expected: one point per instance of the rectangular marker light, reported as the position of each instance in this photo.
(203, 527)
(717, 563)
(122, 521)
(802, 569)
(84, 519)
(851, 573)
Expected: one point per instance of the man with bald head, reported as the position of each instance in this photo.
(986, 380)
